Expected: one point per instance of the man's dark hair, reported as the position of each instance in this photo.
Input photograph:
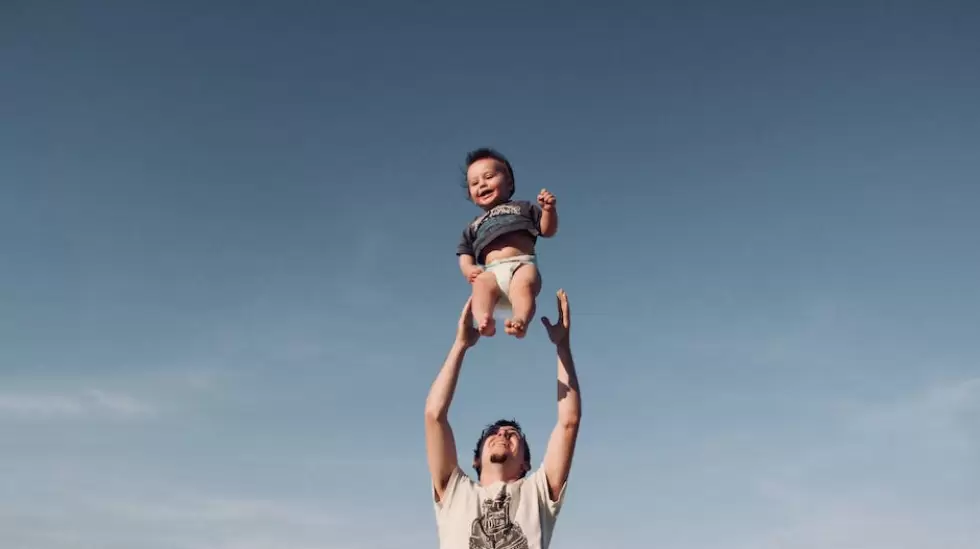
(491, 430)
(487, 152)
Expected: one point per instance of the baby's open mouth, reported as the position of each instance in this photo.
(484, 192)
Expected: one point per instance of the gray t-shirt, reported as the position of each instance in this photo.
(514, 515)
(516, 215)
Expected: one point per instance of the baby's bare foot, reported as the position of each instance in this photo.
(516, 327)
(487, 326)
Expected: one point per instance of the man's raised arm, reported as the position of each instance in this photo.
(440, 445)
(561, 445)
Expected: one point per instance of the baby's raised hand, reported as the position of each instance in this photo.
(546, 200)
(472, 273)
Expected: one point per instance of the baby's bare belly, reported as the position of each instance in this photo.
(509, 245)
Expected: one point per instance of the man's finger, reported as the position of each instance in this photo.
(563, 304)
(546, 322)
(561, 310)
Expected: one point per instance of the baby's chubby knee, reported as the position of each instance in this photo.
(486, 279)
(526, 277)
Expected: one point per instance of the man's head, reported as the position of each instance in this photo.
(503, 444)
(489, 178)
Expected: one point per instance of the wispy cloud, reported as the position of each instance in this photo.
(177, 522)
(93, 403)
(266, 544)
(200, 380)
(886, 473)
(222, 509)
(941, 405)
(896, 475)
(40, 405)
(119, 404)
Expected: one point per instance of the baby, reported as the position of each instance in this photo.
(496, 252)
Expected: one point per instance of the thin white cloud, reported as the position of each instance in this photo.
(890, 473)
(227, 510)
(876, 526)
(941, 402)
(250, 543)
(896, 475)
(119, 404)
(164, 520)
(943, 416)
(200, 380)
(39, 406)
(95, 403)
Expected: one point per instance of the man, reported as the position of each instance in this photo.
(505, 508)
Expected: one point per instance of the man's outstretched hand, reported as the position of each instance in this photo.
(558, 332)
(466, 333)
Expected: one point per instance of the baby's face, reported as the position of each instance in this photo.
(488, 182)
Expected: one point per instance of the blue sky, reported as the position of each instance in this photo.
(227, 276)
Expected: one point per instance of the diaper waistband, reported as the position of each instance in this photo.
(515, 259)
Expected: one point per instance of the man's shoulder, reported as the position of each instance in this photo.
(458, 486)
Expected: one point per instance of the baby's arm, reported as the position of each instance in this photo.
(468, 266)
(467, 262)
(549, 222)
(549, 213)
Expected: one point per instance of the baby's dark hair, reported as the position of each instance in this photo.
(492, 429)
(487, 152)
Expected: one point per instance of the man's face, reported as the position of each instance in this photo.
(504, 447)
(488, 182)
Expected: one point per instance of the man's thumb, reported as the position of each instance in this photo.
(546, 322)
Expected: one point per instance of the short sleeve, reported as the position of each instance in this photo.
(456, 487)
(550, 506)
(465, 246)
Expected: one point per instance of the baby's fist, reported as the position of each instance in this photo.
(472, 273)
(546, 200)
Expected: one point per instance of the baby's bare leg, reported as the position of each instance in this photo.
(485, 295)
(524, 288)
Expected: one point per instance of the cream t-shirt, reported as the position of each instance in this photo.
(515, 515)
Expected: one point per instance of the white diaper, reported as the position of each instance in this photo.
(503, 270)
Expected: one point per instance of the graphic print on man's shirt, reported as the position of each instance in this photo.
(494, 529)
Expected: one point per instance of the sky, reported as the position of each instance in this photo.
(228, 273)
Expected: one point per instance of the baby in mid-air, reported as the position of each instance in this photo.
(496, 251)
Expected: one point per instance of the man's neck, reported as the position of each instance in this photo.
(490, 475)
